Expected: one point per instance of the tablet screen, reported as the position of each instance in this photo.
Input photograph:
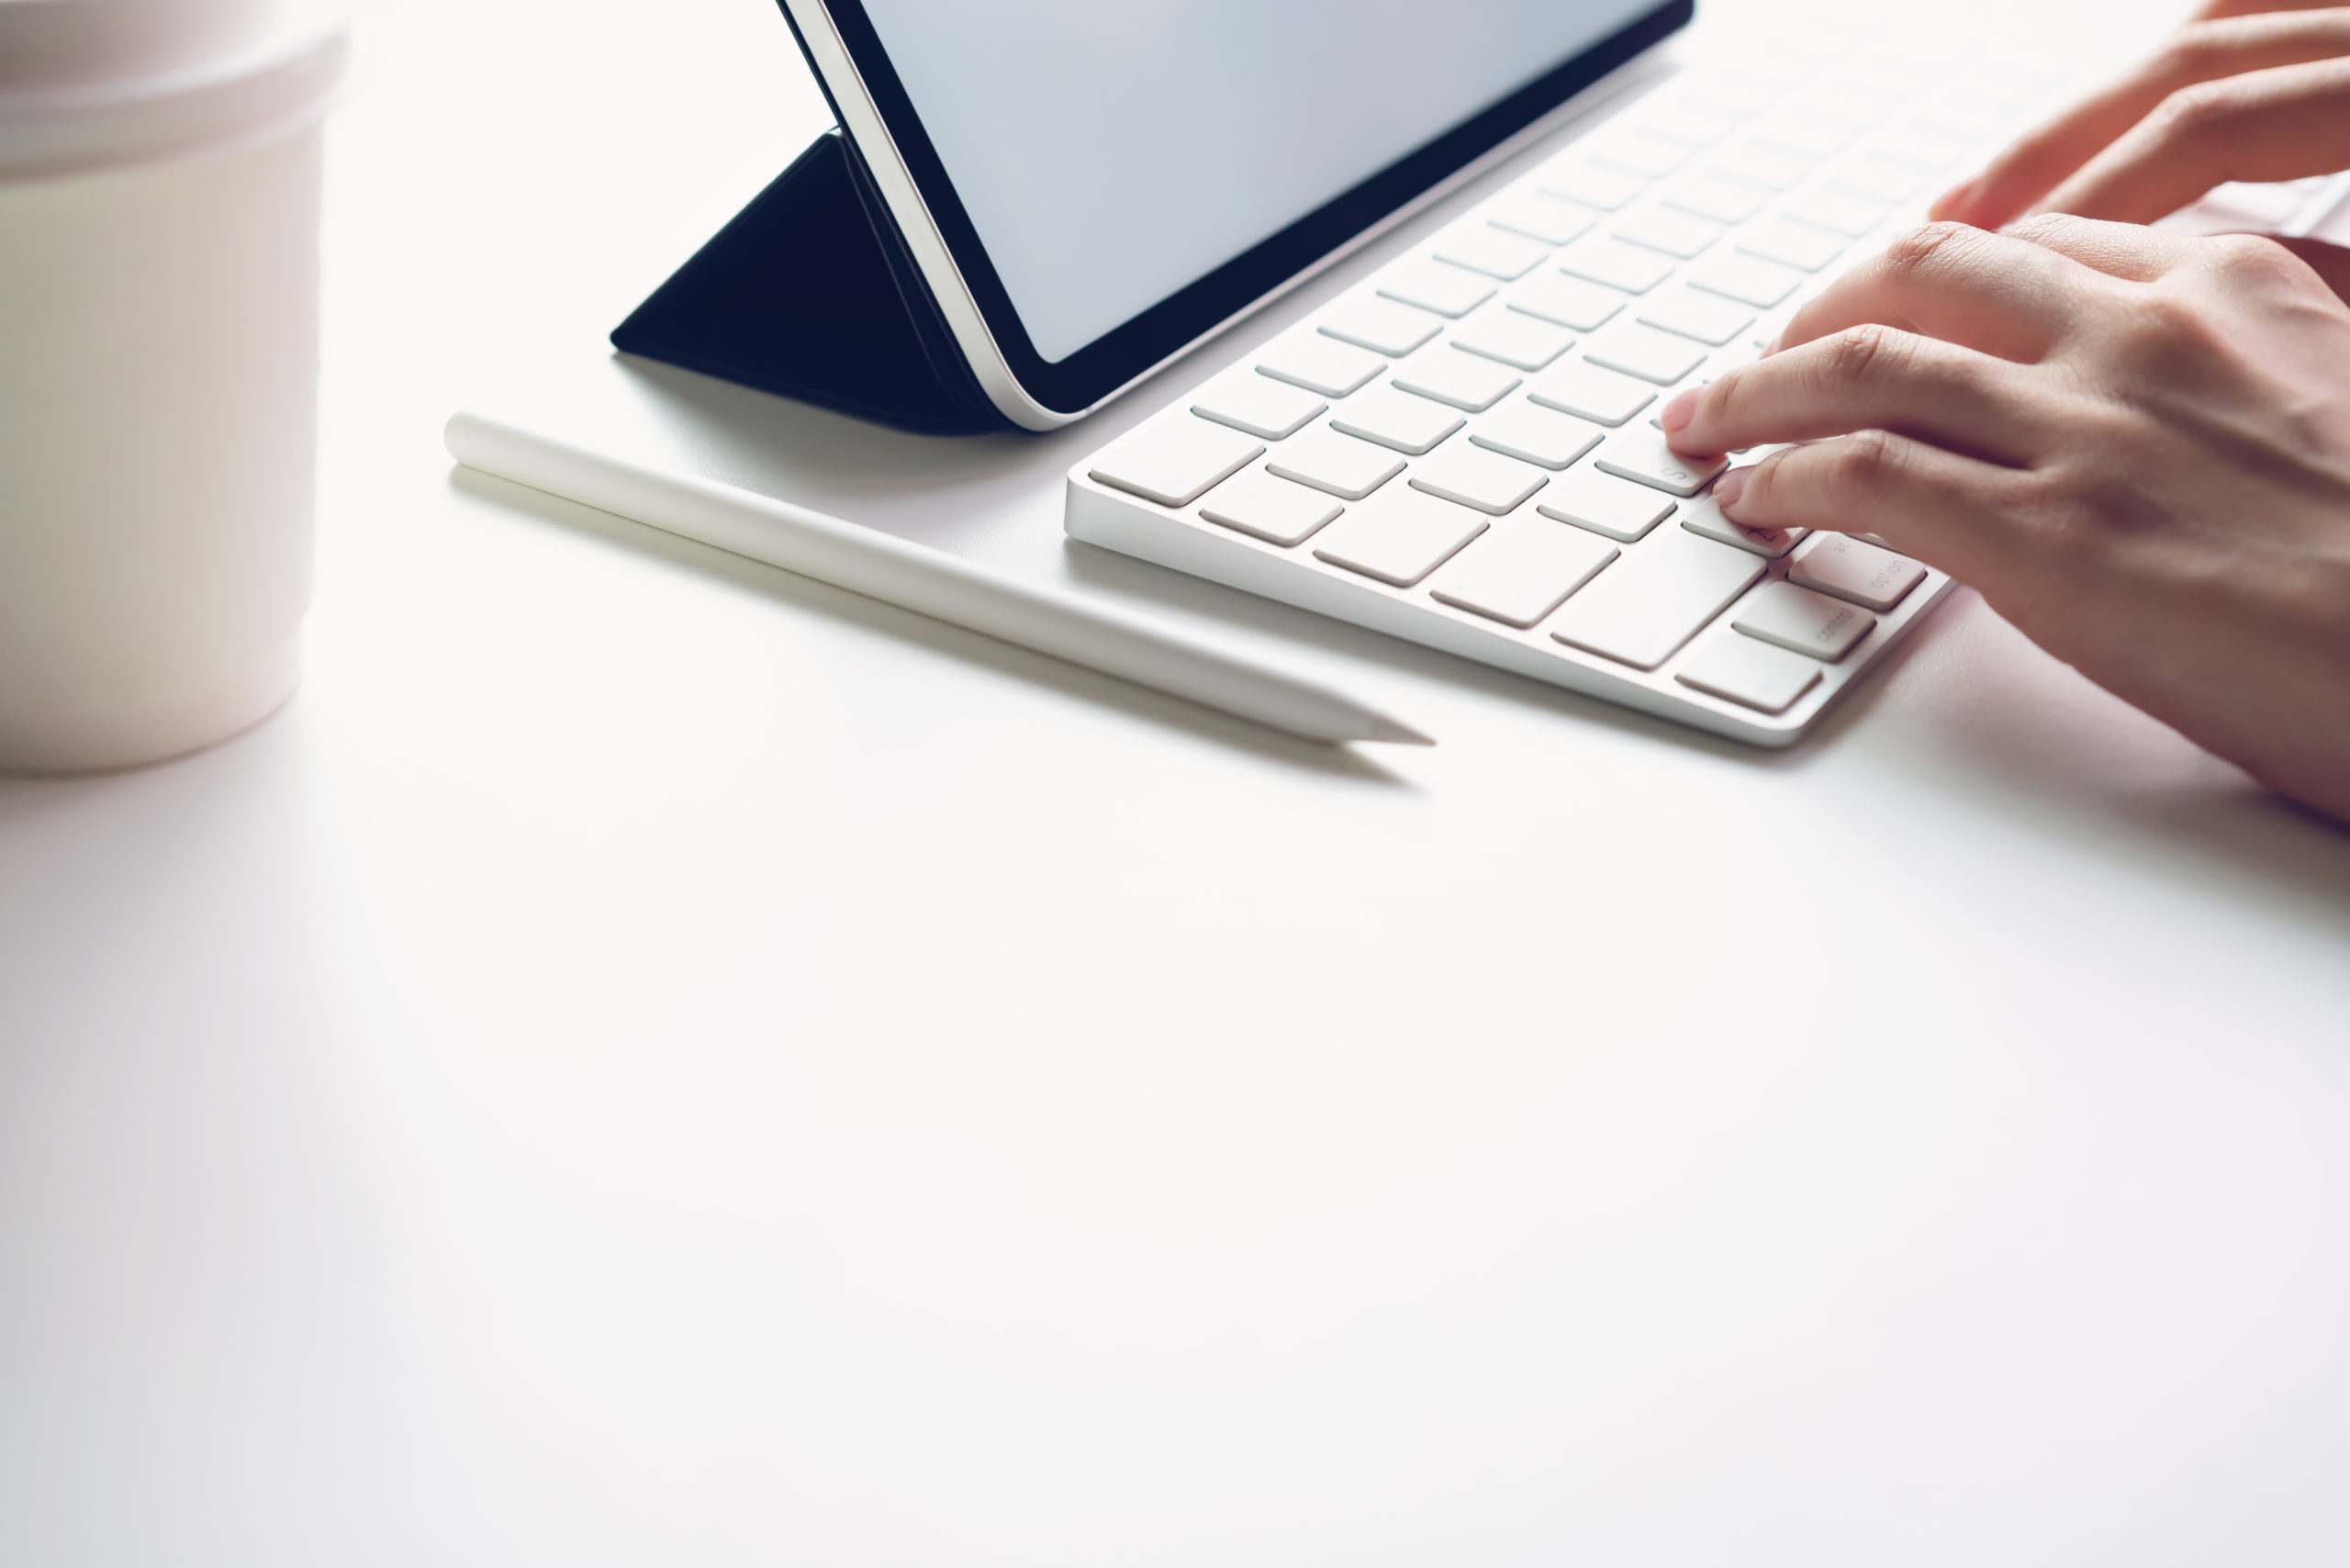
(1110, 153)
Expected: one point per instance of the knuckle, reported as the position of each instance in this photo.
(1861, 463)
(1857, 358)
(1923, 250)
(2197, 111)
(2254, 258)
(2045, 228)
(2196, 50)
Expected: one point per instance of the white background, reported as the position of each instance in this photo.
(650, 1061)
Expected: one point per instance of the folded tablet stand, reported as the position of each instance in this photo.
(811, 292)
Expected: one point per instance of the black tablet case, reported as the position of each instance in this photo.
(811, 292)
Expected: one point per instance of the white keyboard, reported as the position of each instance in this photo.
(1462, 450)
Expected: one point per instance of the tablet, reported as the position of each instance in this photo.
(1090, 187)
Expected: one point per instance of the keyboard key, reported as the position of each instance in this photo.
(1381, 325)
(1513, 338)
(1481, 248)
(1646, 353)
(1805, 136)
(1175, 461)
(1641, 610)
(1711, 196)
(1920, 146)
(1640, 454)
(1435, 285)
(1674, 233)
(1569, 301)
(1520, 570)
(1692, 123)
(1411, 425)
(1749, 673)
(1615, 264)
(1797, 245)
(1605, 189)
(1348, 468)
(1399, 538)
(1878, 179)
(1535, 435)
(1476, 478)
(1465, 381)
(1630, 149)
(1320, 365)
(1835, 211)
(1803, 622)
(1253, 502)
(1705, 518)
(1590, 393)
(1262, 407)
(1616, 507)
(1760, 166)
(1543, 218)
(1707, 318)
(1863, 573)
(1751, 279)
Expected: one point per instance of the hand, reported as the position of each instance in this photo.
(2232, 98)
(2135, 444)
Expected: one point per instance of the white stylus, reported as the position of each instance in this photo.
(915, 577)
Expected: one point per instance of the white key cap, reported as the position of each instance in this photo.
(1615, 264)
(1760, 166)
(1436, 285)
(1634, 150)
(1703, 516)
(1707, 318)
(1590, 393)
(1710, 196)
(1252, 501)
(1674, 233)
(1805, 135)
(1399, 538)
(1535, 435)
(1348, 468)
(1380, 325)
(1835, 211)
(1878, 179)
(1319, 365)
(1693, 123)
(1616, 507)
(1569, 301)
(1521, 570)
(1513, 338)
(1642, 609)
(1258, 405)
(1465, 381)
(1476, 478)
(1577, 179)
(1803, 622)
(1922, 147)
(1481, 248)
(1411, 425)
(1640, 454)
(1747, 672)
(1799, 245)
(1175, 461)
(1736, 275)
(1646, 353)
(1544, 217)
(1863, 573)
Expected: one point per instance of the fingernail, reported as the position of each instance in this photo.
(1680, 411)
(1728, 487)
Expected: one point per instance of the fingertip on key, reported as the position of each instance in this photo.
(1728, 487)
(1677, 413)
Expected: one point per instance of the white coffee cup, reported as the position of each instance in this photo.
(159, 239)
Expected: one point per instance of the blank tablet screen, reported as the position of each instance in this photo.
(1111, 152)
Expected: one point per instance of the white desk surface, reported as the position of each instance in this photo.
(652, 1061)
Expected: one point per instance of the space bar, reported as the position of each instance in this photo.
(1645, 607)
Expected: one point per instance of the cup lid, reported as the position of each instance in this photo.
(87, 83)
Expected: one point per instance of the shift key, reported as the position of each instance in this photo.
(1641, 611)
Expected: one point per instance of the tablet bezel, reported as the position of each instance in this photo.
(872, 106)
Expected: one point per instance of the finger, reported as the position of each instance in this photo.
(1950, 513)
(2201, 51)
(1989, 292)
(1865, 378)
(2247, 7)
(2267, 125)
(2128, 251)
(2331, 263)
